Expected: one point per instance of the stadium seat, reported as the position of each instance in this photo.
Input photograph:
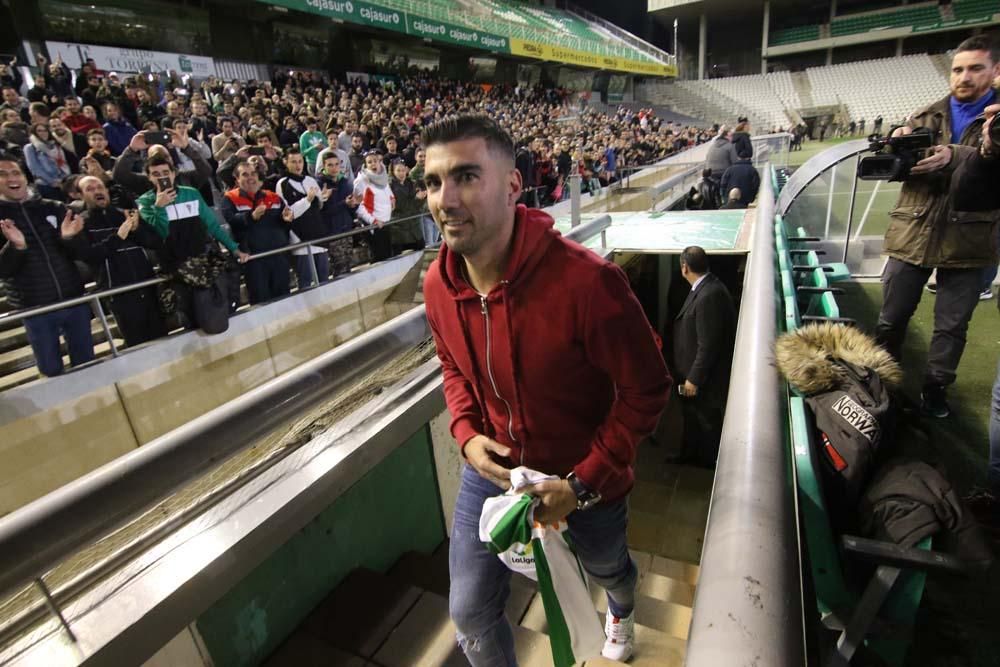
(875, 612)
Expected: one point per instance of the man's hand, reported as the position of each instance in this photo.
(902, 130)
(325, 194)
(990, 112)
(288, 215)
(180, 140)
(352, 201)
(13, 234)
(556, 497)
(71, 225)
(938, 158)
(165, 197)
(479, 453)
(124, 230)
(242, 257)
(242, 152)
(690, 389)
(138, 142)
(258, 212)
(313, 192)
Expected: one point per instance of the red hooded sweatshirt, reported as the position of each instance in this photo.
(558, 361)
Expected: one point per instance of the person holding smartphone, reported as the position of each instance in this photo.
(160, 142)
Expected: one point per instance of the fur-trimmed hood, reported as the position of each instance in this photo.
(803, 357)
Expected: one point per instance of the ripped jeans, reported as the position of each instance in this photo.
(480, 583)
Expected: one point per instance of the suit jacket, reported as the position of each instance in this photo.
(704, 334)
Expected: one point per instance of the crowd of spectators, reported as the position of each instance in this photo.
(117, 179)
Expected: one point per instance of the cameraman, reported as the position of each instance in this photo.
(930, 230)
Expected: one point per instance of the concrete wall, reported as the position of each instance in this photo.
(57, 429)
(393, 509)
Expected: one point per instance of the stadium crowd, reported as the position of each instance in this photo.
(118, 179)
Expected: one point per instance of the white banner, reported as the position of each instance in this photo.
(115, 59)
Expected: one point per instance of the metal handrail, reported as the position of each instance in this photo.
(95, 297)
(748, 604)
(37, 536)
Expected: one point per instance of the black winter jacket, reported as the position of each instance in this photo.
(308, 223)
(909, 500)
(44, 271)
(117, 262)
(742, 175)
(338, 215)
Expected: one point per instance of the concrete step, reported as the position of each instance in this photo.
(18, 366)
(426, 638)
(304, 650)
(361, 613)
(669, 618)
(16, 354)
(429, 572)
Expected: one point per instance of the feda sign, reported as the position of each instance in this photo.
(112, 59)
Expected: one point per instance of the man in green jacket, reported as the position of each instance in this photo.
(930, 230)
(180, 216)
(311, 143)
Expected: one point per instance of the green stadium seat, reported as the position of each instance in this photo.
(888, 602)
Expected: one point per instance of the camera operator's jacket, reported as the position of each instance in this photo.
(928, 227)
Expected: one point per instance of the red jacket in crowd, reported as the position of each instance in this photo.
(558, 362)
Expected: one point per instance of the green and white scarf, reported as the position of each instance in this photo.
(544, 553)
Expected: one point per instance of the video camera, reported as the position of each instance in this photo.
(894, 156)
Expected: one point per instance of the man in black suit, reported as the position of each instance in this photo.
(704, 335)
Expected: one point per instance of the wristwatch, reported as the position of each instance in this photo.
(585, 498)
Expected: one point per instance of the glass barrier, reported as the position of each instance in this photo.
(773, 148)
(848, 214)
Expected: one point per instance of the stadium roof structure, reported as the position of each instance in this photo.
(496, 26)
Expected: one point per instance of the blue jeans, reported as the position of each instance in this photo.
(430, 231)
(304, 272)
(480, 583)
(43, 334)
(993, 472)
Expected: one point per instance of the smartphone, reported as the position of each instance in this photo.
(163, 184)
(257, 150)
(153, 137)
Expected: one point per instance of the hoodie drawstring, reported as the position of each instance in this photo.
(488, 429)
(508, 306)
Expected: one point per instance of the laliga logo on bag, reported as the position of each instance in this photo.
(520, 558)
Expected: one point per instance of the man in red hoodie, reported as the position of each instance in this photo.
(549, 363)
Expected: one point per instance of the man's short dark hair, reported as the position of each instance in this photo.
(981, 43)
(469, 126)
(95, 130)
(71, 184)
(293, 150)
(39, 109)
(158, 161)
(695, 258)
(244, 163)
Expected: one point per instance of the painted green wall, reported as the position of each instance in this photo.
(391, 510)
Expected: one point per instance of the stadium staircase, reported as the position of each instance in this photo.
(890, 87)
(679, 97)
(803, 88)
(400, 618)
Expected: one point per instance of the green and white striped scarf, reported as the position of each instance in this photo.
(544, 553)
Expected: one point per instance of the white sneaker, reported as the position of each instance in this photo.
(620, 633)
